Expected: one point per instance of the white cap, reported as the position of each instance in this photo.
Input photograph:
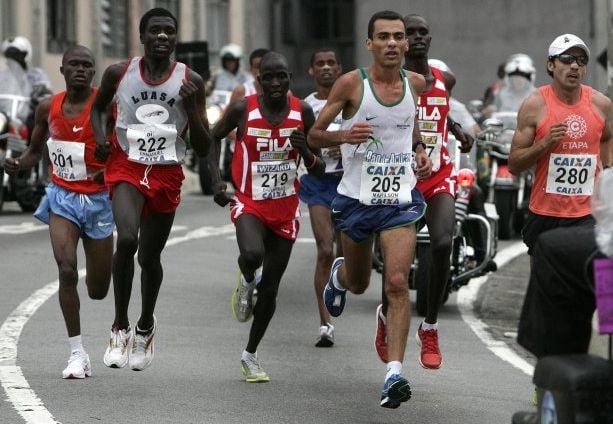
(20, 43)
(439, 64)
(565, 42)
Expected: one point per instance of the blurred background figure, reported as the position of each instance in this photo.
(520, 75)
(230, 75)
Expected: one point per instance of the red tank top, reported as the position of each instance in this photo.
(433, 108)
(264, 162)
(564, 177)
(71, 148)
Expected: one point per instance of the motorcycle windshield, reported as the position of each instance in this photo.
(14, 91)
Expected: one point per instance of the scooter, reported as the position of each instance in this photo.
(509, 192)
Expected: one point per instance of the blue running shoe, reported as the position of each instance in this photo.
(333, 297)
(395, 391)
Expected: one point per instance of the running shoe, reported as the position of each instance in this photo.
(142, 348)
(118, 350)
(333, 297)
(430, 356)
(78, 365)
(395, 391)
(381, 336)
(326, 336)
(525, 417)
(242, 299)
(252, 370)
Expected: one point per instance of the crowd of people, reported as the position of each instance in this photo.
(366, 152)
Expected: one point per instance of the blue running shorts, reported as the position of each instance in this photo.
(318, 190)
(92, 213)
(359, 221)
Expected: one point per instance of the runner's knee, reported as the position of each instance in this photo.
(69, 276)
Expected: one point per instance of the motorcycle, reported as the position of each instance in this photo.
(510, 193)
(25, 187)
(474, 242)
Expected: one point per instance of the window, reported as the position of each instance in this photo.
(114, 27)
(328, 20)
(217, 26)
(60, 25)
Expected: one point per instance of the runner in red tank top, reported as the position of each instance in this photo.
(438, 190)
(76, 204)
(271, 141)
(564, 130)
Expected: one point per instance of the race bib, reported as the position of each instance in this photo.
(68, 159)
(386, 179)
(571, 174)
(434, 143)
(273, 180)
(152, 143)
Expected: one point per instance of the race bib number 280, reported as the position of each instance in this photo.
(571, 174)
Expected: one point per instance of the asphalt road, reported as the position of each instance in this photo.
(196, 378)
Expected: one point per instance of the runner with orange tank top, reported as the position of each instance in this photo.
(271, 132)
(76, 205)
(563, 129)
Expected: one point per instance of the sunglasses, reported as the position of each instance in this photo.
(567, 59)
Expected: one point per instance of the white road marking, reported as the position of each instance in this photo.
(23, 228)
(466, 299)
(22, 397)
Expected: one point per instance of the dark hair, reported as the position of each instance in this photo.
(271, 55)
(325, 50)
(384, 14)
(76, 47)
(156, 11)
(257, 53)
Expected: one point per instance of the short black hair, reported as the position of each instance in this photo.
(389, 15)
(271, 55)
(323, 50)
(156, 11)
(257, 53)
(76, 47)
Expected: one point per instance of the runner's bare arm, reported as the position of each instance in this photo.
(193, 93)
(525, 150)
(106, 92)
(33, 153)
(313, 163)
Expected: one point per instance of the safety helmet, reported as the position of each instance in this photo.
(231, 51)
(20, 43)
(520, 62)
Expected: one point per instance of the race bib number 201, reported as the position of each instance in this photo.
(67, 159)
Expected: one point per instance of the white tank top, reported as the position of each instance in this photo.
(249, 87)
(379, 171)
(332, 165)
(151, 118)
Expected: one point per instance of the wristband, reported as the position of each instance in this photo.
(417, 144)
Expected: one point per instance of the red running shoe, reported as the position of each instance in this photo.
(381, 337)
(430, 356)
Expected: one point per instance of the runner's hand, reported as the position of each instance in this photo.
(298, 140)
(424, 165)
(358, 133)
(219, 194)
(188, 93)
(102, 151)
(556, 132)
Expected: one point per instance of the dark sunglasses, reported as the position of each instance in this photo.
(567, 59)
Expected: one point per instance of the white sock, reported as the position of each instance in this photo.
(245, 356)
(393, 367)
(383, 317)
(425, 326)
(247, 283)
(76, 344)
(335, 281)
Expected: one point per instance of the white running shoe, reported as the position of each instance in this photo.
(78, 365)
(118, 350)
(242, 299)
(326, 336)
(142, 348)
(252, 370)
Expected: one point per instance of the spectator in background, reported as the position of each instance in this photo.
(230, 75)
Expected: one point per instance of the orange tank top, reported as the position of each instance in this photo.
(564, 177)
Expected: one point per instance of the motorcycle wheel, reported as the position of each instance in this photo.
(204, 174)
(421, 277)
(505, 206)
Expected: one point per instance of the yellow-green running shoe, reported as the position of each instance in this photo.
(252, 370)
